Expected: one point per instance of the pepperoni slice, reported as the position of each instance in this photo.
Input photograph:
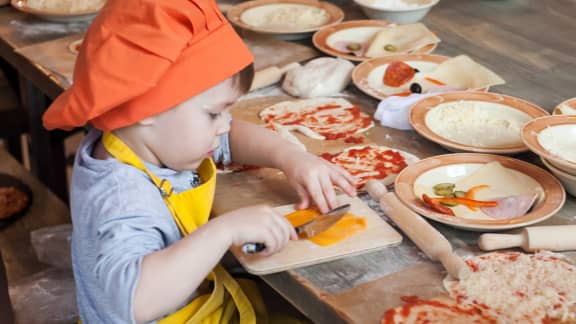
(398, 73)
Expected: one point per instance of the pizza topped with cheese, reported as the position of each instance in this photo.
(519, 288)
(319, 118)
(371, 162)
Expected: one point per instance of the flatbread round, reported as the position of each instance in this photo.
(367, 162)
(319, 118)
(519, 288)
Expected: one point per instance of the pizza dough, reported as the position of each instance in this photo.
(321, 77)
(518, 288)
(283, 16)
(367, 162)
(400, 39)
(319, 118)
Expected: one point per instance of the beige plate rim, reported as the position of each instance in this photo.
(532, 129)
(21, 5)
(234, 15)
(320, 38)
(418, 112)
(554, 194)
(569, 102)
(362, 70)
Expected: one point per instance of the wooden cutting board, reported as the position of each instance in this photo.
(377, 235)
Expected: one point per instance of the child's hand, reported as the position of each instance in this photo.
(258, 224)
(314, 179)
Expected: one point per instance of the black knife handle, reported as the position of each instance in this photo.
(251, 248)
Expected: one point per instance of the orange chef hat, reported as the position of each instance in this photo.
(142, 57)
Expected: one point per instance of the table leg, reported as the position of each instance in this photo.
(47, 156)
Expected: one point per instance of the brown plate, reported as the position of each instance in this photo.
(55, 15)
(532, 129)
(375, 68)
(7, 180)
(234, 14)
(570, 103)
(366, 29)
(448, 168)
(418, 112)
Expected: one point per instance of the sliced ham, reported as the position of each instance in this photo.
(510, 207)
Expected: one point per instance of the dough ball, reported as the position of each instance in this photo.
(321, 77)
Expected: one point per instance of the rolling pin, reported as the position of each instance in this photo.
(426, 237)
(270, 75)
(552, 238)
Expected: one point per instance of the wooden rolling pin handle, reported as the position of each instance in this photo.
(270, 75)
(426, 237)
(489, 242)
(454, 265)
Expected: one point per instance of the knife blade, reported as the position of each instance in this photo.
(307, 230)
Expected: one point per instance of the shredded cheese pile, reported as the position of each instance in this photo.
(69, 6)
(519, 288)
(290, 16)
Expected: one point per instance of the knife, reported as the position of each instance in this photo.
(307, 230)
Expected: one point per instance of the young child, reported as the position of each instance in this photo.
(155, 79)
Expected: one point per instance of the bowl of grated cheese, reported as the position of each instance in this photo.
(285, 19)
(400, 11)
(60, 10)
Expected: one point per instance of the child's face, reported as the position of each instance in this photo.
(189, 133)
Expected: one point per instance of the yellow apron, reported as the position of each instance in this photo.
(191, 209)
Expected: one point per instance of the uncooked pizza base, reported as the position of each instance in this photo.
(319, 118)
(519, 288)
(367, 162)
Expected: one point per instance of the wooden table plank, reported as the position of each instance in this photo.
(46, 210)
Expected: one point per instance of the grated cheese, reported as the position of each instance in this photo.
(519, 288)
(69, 6)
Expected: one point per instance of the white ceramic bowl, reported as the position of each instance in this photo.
(399, 15)
(560, 127)
(568, 180)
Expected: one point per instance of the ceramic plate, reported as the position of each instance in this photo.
(359, 31)
(58, 16)
(561, 131)
(469, 121)
(368, 76)
(10, 181)
(252, 15)
(567, 107)
(452, 168)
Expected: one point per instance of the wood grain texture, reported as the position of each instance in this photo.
(46, 210)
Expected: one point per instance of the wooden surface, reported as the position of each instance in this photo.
(529, 43)
(377, 235)
(46, 210)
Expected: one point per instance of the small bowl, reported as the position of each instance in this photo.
(567, 107)
(399, 15)
(532, 129)
(568, 180)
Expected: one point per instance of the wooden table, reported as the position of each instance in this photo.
(530, 43)
(46, 210)
(38, 87)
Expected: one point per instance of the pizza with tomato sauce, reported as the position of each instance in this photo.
(319, 118)
(371, 162)
(515, 287)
